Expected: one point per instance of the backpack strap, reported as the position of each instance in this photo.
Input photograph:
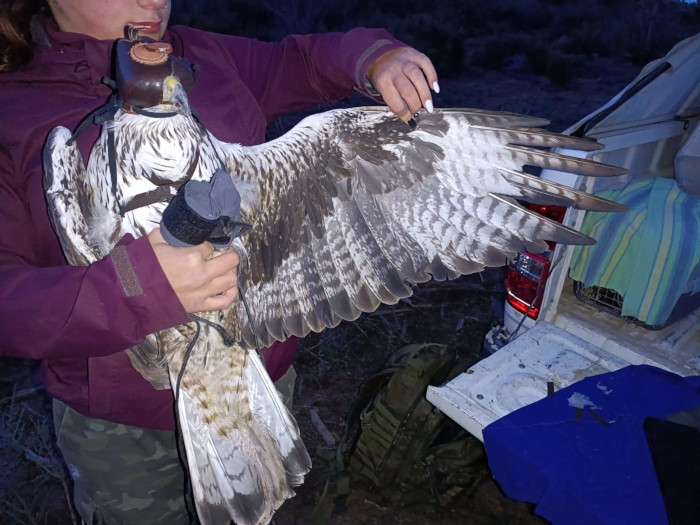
(332, 500)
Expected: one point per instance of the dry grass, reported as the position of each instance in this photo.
(34, 485)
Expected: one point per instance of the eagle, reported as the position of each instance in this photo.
(348, 210)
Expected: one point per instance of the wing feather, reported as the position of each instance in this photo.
(69, 197)
(401, 251)
(539, 191)
(353, 208)
(373, 268)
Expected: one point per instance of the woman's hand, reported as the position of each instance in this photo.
(204, 280)
(404, 77)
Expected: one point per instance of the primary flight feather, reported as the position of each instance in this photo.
(349, 209)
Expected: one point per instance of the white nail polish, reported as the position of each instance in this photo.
(429, 105)
(436, 87)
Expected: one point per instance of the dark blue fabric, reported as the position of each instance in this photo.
(590, 465)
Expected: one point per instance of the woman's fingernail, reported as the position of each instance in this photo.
(412, 123)
(436, 87)
(429, 105)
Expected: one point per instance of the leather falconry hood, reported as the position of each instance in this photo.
(142, 64)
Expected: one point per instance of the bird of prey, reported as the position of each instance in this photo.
(350, 209)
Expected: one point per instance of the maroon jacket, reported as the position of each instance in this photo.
(78, 320)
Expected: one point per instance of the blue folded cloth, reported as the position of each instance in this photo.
(582, 456)
(647, 254)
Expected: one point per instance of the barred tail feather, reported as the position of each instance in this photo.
(271, 414)
(199, 449)
(243, 472)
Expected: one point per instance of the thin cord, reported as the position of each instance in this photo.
(189, 494)
(250, 321)
(228, 341)
(228, 338)
(188, 352)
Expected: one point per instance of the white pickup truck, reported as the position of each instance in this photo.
(552, 337)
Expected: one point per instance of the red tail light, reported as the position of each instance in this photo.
(556, 213)
(525, 280)
(526, 276)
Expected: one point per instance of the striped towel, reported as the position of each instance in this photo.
(647, 254)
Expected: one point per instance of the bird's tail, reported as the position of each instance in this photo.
(243, 460)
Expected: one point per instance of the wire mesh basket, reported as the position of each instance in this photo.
(610, 301)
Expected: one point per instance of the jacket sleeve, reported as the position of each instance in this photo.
(55, 310)
(304, 70)
(301, 71)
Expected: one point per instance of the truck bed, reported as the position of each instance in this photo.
(675, 348)
(581, 341)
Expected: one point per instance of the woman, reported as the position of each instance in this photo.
(114, 429)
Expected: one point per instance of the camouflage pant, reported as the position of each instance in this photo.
(126, 475)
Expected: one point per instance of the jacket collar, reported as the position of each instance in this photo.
(87, 58)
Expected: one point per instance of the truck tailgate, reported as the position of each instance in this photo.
(518, 375)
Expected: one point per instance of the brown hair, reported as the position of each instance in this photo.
(16, 45)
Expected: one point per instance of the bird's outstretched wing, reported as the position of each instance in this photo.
(352, 207)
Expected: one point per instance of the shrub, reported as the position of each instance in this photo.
(455, 33)
(560, 68)
(492, 52)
